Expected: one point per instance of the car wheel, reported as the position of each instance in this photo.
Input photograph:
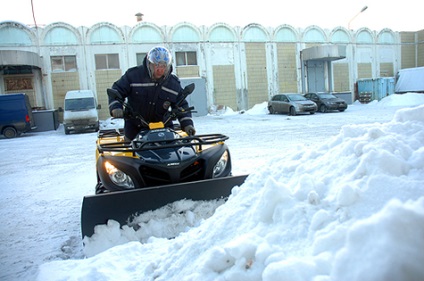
(312, 112)
(323, 108)
(271, 110)
(10, 132)
(341, 110)
(292, 111)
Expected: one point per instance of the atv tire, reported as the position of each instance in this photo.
(99, 189)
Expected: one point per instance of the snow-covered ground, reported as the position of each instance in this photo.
(334, 196)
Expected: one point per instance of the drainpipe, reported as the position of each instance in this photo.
(302, 73)
(330, 76)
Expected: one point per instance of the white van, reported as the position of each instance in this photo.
(80, 111)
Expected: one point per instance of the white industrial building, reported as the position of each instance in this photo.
(236, 67)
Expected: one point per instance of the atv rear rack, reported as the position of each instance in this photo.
(137, 146)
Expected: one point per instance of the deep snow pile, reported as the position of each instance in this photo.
(353, 209)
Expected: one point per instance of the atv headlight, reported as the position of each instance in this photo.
(220, 165)
(118, 177)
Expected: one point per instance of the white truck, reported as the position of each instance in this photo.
(80, 111)
(410, 80)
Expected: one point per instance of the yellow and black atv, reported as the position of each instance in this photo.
(160, 166)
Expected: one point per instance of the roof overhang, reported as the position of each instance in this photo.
(15, 58)
(324, 53)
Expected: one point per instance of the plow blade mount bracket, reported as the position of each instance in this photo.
(122, 205)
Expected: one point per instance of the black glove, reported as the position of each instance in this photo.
(190, 130)
(117, 113)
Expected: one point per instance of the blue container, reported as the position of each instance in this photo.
(375, 89)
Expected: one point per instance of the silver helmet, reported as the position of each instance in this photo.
(159, 56)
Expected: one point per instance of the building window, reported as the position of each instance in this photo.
(186, 58)
(140, 58)
(63, 63)
(107, 61)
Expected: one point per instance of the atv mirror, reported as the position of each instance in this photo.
(114, 94)
(188, 89)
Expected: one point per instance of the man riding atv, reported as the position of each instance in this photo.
(152, 91)
(151, 165)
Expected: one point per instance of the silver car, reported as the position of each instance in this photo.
(291, 104)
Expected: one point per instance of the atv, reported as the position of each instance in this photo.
(159, 166)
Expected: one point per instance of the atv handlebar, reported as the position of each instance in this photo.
(138, 146)
(115, 95)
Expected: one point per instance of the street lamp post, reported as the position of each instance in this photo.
(361, 11)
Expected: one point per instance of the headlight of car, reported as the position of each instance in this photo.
(220, 166)
(118, 177)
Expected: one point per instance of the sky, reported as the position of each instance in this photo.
(330, 196)
(327, 14)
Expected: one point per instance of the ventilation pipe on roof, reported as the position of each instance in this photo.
(139, 17)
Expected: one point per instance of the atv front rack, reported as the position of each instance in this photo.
(137, 146)
(104, 133)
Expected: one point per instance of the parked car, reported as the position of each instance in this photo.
(327, 102)
(291, 104)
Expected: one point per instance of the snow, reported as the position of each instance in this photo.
(333, 196)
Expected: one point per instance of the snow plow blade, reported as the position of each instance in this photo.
(122, 205)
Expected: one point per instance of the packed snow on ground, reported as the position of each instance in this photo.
(334, 196)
